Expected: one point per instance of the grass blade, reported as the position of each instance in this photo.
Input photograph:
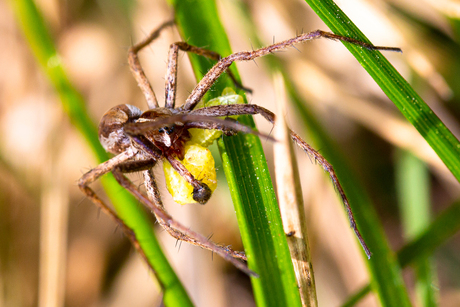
(386, 278)
(411, 105)
(414, 193)
(384, 269)
(43, 47)
(246, 171)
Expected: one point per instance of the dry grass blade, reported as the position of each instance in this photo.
(53, 235)
(291, 201)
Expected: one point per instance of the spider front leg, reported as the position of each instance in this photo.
(211, 76)
(136, 68)
(201, 192)
(251, 109)
(171, 72)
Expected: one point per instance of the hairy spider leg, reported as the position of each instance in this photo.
(174, 228)
(93, 175)
(201, 192)
(195, 119)
(184, 234)
(121, 164)
(138, 71)
(240, 109)
(211, 76)
(171, 72)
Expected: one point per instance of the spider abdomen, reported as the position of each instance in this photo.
(111, 133)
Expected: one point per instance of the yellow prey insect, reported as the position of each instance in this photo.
(197, 158)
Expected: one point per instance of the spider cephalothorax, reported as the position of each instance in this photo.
(113, 137)
(141, 139)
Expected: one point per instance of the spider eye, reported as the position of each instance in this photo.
(111, 133)
(168, 130)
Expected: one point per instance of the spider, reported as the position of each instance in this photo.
(141, 139)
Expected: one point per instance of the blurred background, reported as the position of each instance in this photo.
(42, 155)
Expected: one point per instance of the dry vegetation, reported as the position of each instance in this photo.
(42, 156)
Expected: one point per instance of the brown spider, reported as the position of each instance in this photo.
(141, 139)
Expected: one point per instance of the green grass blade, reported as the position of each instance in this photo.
(385, 272)
(355, 298)
(414, 202)
(440, 230)
(411, 105)
(414, 193)
(246, 171)
(43, 47)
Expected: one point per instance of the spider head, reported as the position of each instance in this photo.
(111, 133)
(169, 138)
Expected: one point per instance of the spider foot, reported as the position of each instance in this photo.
(202, 193)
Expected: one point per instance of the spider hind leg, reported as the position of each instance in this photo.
(174, 228)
